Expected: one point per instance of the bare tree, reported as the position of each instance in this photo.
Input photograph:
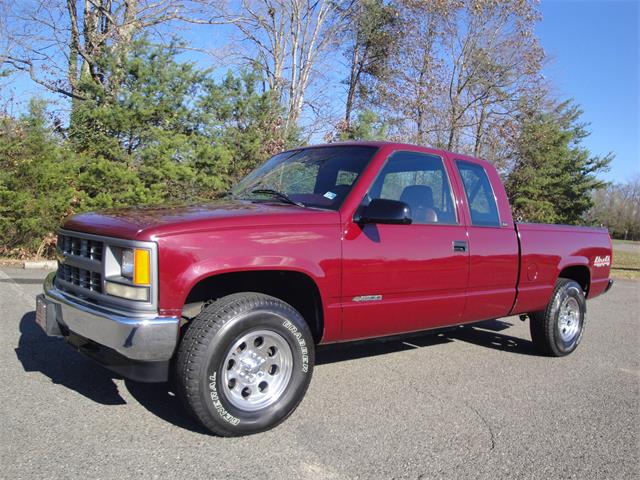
(286, 38)
(59, 42)
(460, 72)
(370, 37)
(410, 95)
(493, 58)
(617, 207)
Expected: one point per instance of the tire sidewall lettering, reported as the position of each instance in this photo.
(217, 405)
(304, 351)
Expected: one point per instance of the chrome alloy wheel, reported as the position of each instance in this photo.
(257, 370)
(569, 319)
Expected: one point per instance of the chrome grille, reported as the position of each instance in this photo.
(80, 268)
(80, 247)
(80, 277)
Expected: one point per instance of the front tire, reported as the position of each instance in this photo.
(557, 331)
(244, 364)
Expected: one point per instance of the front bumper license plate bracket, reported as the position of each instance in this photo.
(46, 316)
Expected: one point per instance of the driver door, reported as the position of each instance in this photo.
(404, 278)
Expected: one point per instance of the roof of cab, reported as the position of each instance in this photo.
(384, 143)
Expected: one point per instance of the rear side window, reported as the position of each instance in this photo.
(480, 197)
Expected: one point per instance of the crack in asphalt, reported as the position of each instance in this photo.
(485, 422)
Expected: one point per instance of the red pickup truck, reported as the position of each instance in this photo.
(322, 244)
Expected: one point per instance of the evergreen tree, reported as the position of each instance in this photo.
(141, 141)
(170, 132)
(38, 180)
(246, 121)
(366, 127)
(554, 175)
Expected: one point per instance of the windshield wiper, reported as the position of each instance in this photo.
(282, 196)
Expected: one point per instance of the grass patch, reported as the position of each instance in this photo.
(628, 242)
(625, 264)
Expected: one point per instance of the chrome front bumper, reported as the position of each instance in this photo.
(145, 337)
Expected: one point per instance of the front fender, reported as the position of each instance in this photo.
(186, 259)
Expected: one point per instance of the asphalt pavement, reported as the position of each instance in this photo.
(475, 402)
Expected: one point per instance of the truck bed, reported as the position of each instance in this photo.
(547, 250)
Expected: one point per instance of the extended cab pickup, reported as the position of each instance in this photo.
(321, 244)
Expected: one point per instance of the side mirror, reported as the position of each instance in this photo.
(381, 210)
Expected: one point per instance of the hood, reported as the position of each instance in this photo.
(143, 223)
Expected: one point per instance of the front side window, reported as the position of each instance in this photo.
(314, 177)
(420, 180)
(480, 197)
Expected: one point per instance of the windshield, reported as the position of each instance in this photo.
(315, 177)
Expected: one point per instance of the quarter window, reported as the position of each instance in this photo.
(480, 197)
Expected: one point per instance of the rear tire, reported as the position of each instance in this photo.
(244, 364)
(557, 331)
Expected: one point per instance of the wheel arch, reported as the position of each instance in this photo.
(296, 288)
(579, 273)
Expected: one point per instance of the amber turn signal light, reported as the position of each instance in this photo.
(141, 267)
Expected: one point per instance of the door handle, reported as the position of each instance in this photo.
(459, 246)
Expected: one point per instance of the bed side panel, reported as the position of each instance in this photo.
(548, 249)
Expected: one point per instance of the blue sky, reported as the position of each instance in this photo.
(593, 50)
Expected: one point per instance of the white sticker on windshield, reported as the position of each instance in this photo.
(330, 195)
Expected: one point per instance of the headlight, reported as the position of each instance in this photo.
(135, 265)
(126, 264)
